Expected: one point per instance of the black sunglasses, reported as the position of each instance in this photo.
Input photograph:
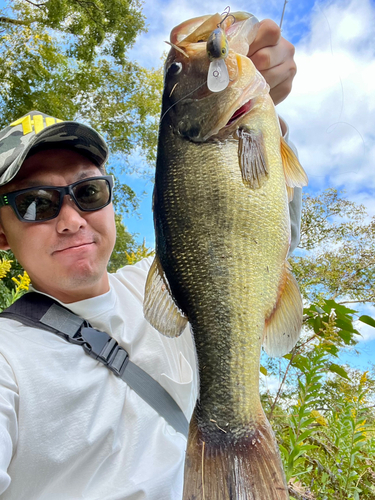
(42, 203)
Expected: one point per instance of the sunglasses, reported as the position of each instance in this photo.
(42, 203)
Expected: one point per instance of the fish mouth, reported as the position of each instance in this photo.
(257, 88)
(240, 112)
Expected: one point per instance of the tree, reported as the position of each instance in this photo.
(68, 59)
(338, 240)
(124, 243)
(323, 412)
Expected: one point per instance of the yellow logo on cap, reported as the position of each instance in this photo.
(28, 122)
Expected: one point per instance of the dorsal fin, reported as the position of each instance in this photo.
(295, 176)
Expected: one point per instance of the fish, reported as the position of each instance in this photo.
(224, 178)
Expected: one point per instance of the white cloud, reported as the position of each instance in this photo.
(269, 384)
(163, 16)
(367, 332)
(331, 109)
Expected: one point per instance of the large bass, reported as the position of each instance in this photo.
(223, 180)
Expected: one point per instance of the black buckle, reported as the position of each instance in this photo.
(101, 346)
(95, 341)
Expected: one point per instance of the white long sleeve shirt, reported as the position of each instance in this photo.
(70, 429)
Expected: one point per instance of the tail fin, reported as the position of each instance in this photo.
(223, 467)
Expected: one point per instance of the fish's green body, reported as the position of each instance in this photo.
(223, 180)
(222, 247)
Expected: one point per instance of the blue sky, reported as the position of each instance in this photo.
(331, 110)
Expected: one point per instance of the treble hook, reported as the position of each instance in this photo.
(226, 13)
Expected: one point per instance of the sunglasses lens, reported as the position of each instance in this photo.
(92, 194)
(42, 204)
(38, 204)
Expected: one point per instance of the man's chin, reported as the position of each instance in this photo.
(83, 275)
(82, 282)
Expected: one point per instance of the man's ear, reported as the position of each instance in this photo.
(3, 239)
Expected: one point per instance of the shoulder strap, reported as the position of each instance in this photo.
(39, 311)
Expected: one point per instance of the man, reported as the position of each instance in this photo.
(69, 428)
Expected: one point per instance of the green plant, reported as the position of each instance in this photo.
(323, 413)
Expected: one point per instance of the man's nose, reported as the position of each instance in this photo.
(70, 218)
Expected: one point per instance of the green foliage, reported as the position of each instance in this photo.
(324, 411)
(124, 243)
(340, 241)
(86, 26)
(301, 413)
(140, 253)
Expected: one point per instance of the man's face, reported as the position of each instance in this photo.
(65, 257)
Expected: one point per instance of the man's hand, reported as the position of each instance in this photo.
(272, 55)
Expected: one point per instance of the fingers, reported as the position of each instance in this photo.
(282, 81)
(273, 56)
(278, 76)
(268, 35)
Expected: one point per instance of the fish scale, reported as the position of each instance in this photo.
(222, 236)
(207, 215)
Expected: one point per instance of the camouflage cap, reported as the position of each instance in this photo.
(37, 129)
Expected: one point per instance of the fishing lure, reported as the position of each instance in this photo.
(217, 51)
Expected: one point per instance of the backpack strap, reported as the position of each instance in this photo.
(39, 311)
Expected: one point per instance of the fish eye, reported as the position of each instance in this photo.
(175, 68)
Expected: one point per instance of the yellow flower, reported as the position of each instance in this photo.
(319, 419)
(5, 267)
(23, 282)
(140, 254)
(363, 378)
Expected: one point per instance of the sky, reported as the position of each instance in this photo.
(330, 111)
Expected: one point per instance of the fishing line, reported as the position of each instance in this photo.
(350, 125)
(333, 57)
(282, 15)
(182, 98)
(331, 127)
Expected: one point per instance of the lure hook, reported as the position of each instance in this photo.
(226, 13)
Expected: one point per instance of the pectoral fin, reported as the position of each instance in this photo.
(159, 308)
(284, 325)
(252, 158)
(295, 176)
